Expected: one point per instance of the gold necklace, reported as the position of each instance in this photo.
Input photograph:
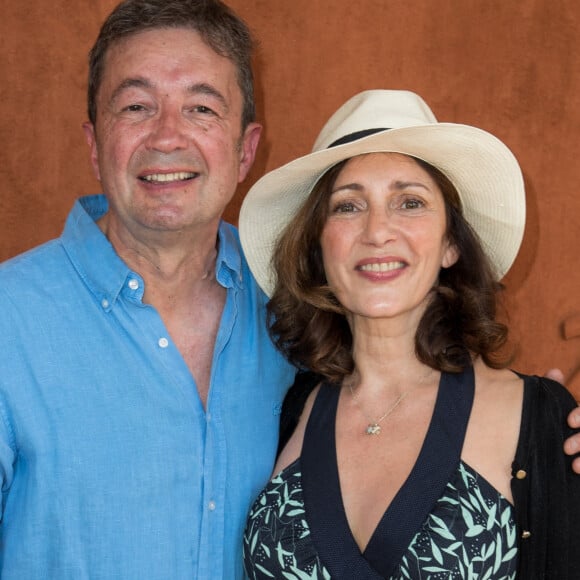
(374, 428)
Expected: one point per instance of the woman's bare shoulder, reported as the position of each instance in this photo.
(498, 384)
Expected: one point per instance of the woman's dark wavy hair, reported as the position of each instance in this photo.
(309, 325)
(218, 25)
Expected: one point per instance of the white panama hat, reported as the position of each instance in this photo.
(484, 171)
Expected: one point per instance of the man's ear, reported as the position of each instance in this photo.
(89, 130)
(248, 148)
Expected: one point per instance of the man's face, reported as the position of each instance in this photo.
(167, 145)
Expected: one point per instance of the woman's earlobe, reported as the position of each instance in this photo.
(450, 256)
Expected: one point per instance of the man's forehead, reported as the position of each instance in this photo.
(168, 49)
(169, 37)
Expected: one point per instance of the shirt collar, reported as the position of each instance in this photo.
(229, 262)
(104, 271)
(91, 253)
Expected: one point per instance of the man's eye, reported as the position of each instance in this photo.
(204, 110)
(134, 108)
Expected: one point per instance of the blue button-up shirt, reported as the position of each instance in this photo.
(110, 467)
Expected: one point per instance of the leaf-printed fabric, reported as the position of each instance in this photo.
(470, 534)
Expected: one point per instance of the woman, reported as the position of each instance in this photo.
(418, 454)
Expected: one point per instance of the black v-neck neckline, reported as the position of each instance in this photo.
(438, 459)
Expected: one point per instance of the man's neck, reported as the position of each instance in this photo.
(180, 283)
(171, 263)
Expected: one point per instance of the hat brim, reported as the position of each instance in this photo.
(483, 170)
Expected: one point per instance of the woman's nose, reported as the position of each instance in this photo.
(379, 227)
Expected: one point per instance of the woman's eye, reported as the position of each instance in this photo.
(412, 204)
(344, 207)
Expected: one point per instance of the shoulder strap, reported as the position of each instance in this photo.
(293, 405)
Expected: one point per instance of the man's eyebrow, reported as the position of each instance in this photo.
(129, 83)
(194, 89)
(210, 91)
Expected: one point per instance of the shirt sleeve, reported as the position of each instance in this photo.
(7, 454)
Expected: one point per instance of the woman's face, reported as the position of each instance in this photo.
(384, 240)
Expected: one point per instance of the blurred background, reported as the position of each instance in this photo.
(512, 68)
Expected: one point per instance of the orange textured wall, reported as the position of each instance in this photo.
(512, 68)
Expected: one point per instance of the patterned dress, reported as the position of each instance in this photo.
(446, 522)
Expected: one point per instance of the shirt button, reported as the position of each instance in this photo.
(163, 342)
(133, 284)
(211, 506)
(521, 474)
(105, 303)
(526, 534)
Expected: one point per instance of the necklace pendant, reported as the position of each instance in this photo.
(373, 429)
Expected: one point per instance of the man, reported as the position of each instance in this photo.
(139, 392)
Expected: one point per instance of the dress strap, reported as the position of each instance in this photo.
(438, 459)
(323, 505)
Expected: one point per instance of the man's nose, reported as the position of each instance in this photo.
(168, 131)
